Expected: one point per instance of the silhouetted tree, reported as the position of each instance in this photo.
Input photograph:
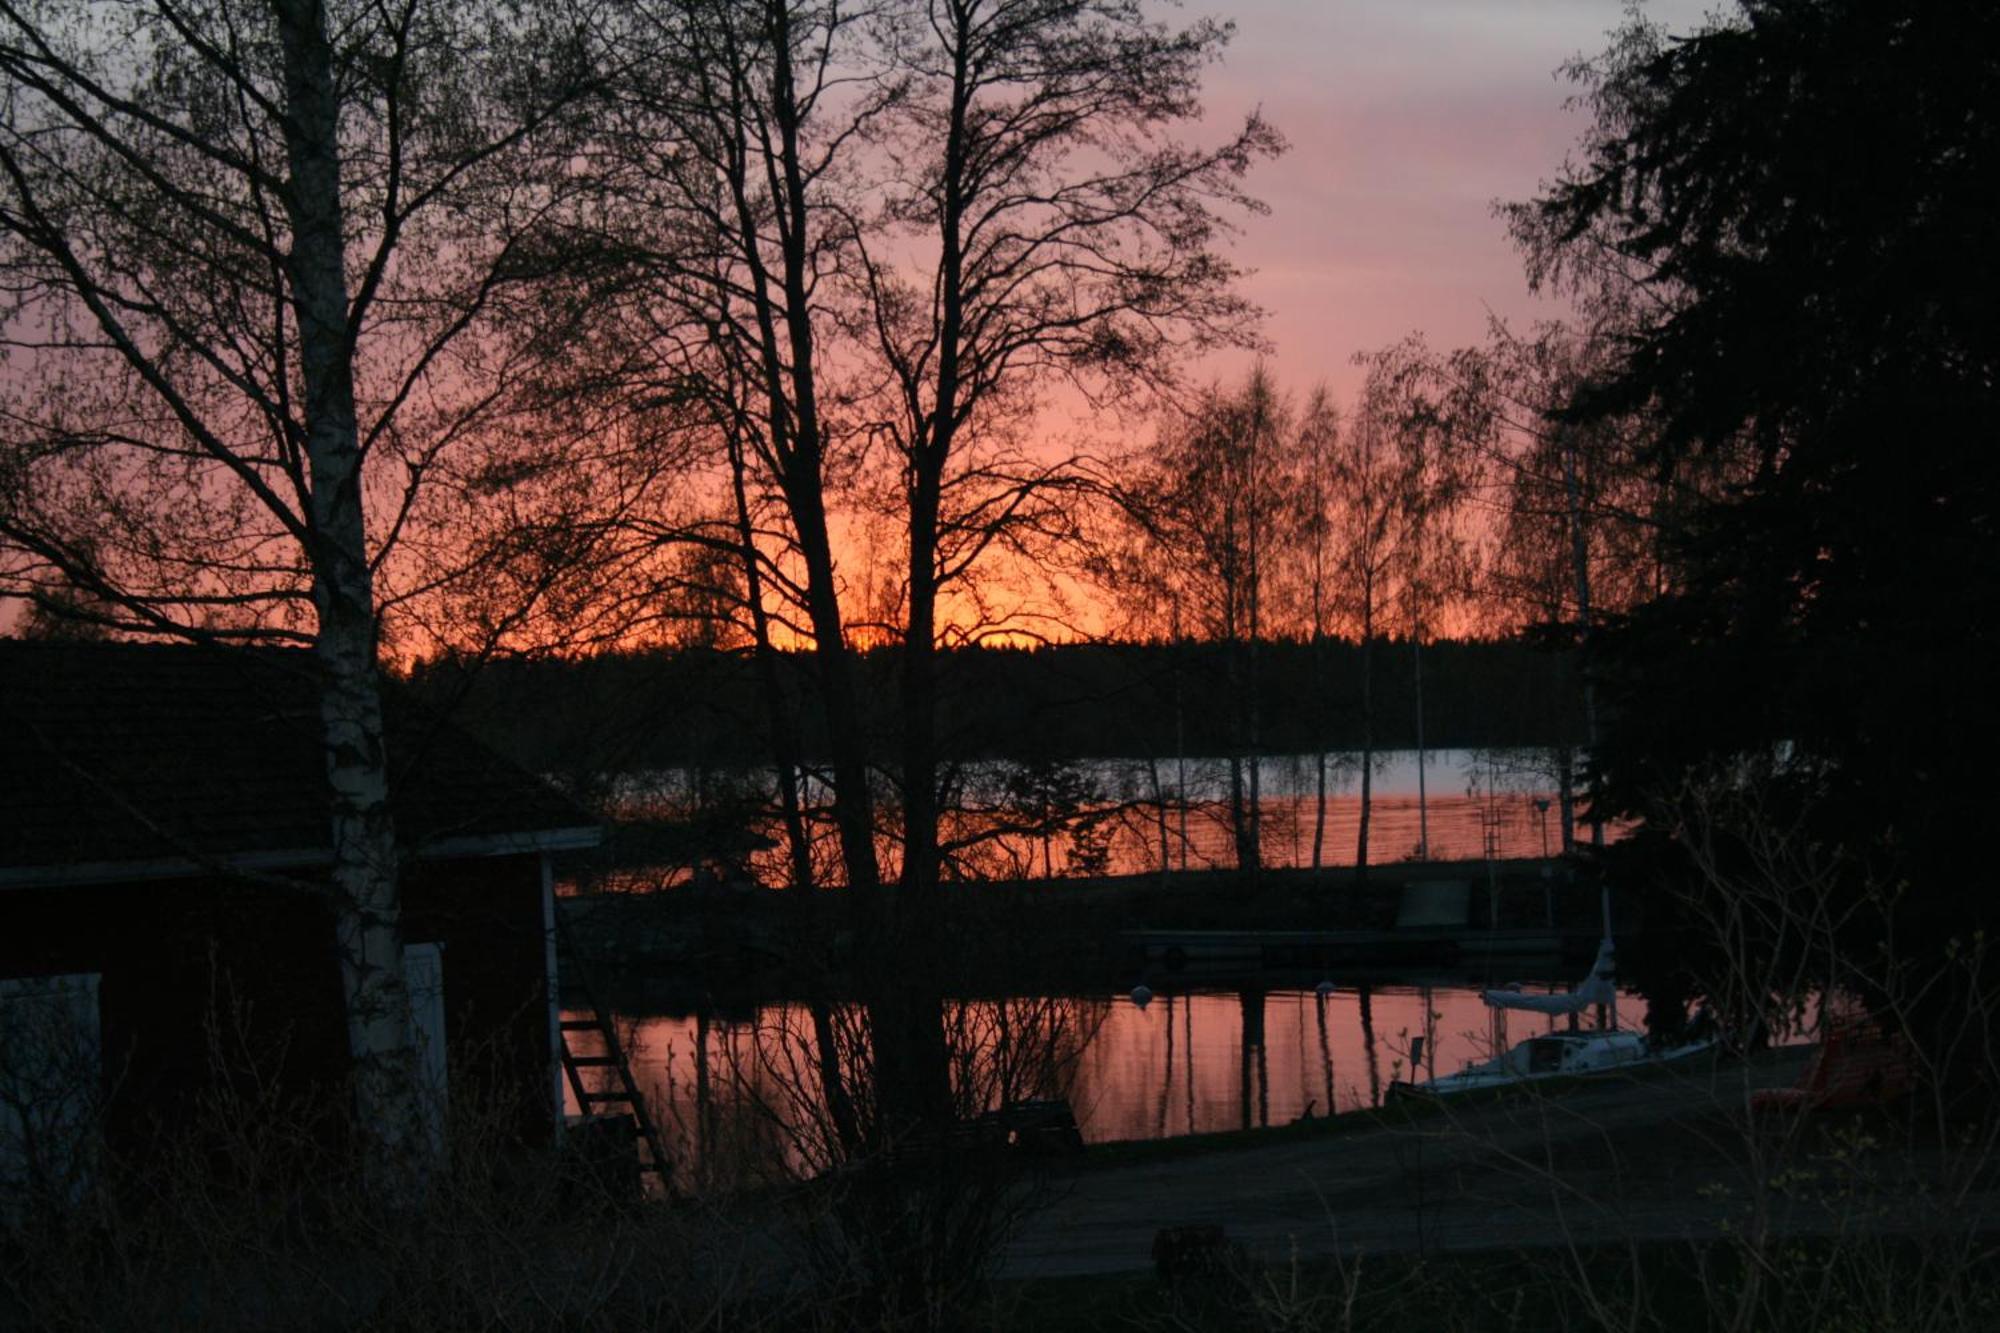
(1401, 482)
(1218, 516)
(1581, 519)
(1439, 428)
(878, 237)
(1317, 597)
(1801, 194)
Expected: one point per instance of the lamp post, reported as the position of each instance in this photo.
(1548, 883)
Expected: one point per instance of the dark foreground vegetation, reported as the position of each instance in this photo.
(1878, 1220)
(1813, 1286)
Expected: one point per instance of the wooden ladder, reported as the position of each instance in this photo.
(623, 1094)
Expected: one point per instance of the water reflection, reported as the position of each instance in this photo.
(737, 1095)
(1133, 816)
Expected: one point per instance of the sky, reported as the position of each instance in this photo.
(1407, 120)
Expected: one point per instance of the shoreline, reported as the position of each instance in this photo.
(743, 945)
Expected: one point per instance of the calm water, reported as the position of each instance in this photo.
(737, 1092)
(1136, 815)
(1467, 804)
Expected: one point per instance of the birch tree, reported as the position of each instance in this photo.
(253, 252)
(1581, 521)
(1220, 508)
(1401, 479)
(1439, 427)
(1319, 441)
(1363, 487)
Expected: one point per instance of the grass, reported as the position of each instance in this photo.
(1135, 1152)
(1651, 1287)
(1410, 1110)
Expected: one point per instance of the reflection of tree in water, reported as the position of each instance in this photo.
(1325, 1049)
(1187, 1047)
(1216, 1065)
(792, 1092)
(1367, 999)
(1064, 818)
(1251, 1003)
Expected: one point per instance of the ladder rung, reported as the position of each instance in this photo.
(609, 1056)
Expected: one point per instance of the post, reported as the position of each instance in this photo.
(1604, 904)
(553, 982)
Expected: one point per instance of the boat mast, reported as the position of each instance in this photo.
(1604, 905)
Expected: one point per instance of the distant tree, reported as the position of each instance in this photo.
(250, 249)
(1402, 483)
(1440, 427)
(1217, 508)
(1801, 195)
(1581, 519)
(1364, 509)
(1316, 594)
(1054, 798)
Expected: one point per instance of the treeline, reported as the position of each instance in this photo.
(701, 707)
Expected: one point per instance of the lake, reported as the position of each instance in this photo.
(737, 1096)
(1130, 816)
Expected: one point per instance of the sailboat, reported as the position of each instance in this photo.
(1601, 1050)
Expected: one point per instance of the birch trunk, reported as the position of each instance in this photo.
(1367, 736)
(1423, 790)
(1580, 570)
(1566, 797)
(1319, 813)
(367, 909)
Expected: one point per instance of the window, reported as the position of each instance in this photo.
(423, 976)
(51, 1075)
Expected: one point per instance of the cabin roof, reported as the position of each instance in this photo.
(140, 761)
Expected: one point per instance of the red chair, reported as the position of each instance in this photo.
(1855, 1066)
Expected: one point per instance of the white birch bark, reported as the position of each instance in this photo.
(367, 907)
(206, 202)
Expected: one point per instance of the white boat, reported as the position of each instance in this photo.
(1558, 1054)
(1553, 1055)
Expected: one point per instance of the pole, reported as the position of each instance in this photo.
(1604, 904)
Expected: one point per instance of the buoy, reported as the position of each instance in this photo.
(1324, 989)
(1142, 995)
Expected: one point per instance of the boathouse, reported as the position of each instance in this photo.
(164, 843)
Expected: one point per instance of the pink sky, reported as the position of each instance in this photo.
(1407, 120)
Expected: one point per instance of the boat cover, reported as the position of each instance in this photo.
(1600, 987)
